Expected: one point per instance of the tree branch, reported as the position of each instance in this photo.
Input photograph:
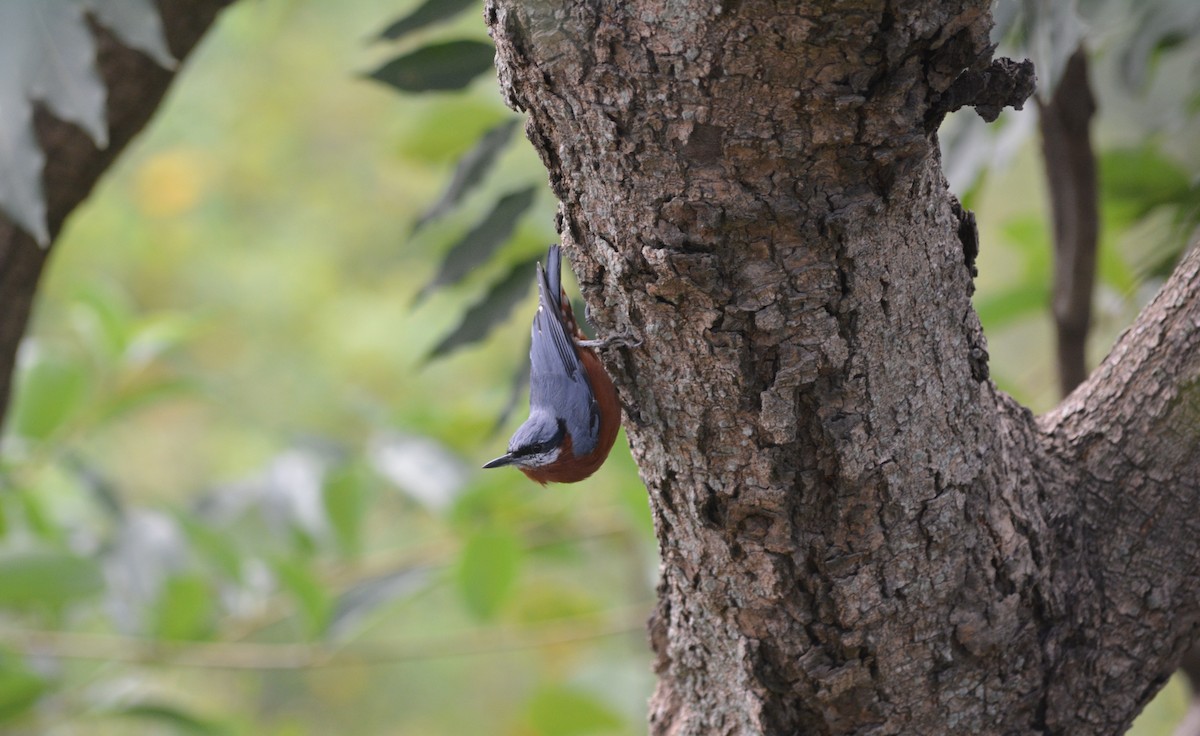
(136, 85)
(1131, 434)
(260, 656)
(1070, 168)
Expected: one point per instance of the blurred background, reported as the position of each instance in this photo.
(240, 484)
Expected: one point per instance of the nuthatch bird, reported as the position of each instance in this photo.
(574, 413)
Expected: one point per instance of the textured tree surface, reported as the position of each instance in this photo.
(859, 532)
(136, 84)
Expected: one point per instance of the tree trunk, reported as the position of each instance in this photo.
(859, 533)
(136, 85)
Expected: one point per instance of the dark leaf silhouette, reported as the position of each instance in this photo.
(477, 246)
(471, 169)
(430, 12)
(438, 67)
(493, 309)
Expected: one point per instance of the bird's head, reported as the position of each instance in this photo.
(537, 443)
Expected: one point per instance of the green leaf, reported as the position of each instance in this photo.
(47, 578)
(103, 317)
(154, 336)
(141, 394)
(171, 715)
(477, 246)
(430, 12)
(561, 711)
(217, 548)
(1023, 300)
(49, 392)
(1029, 236)
(438, 67)
(487, 571)
(470, 171)
(345, 505)
(20, 687)
(312, 600)
(185, 609)
(36, 516)
(1137, 180)
(495, 306)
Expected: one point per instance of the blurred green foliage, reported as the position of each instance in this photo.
(237, 496)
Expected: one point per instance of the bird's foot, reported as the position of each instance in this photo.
(624, 340)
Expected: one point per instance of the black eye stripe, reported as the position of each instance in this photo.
(538, 448)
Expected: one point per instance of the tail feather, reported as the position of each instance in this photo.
(555, 295)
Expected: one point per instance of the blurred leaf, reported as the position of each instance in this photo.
(368, 595)
(1158, 27)
(310, 596)
(214, 546)
(556, 710)
(1030, 237)
(104, 318)
(550, 600)
(421, 467)
(1140, 179)
(1002, 308)
(477, 246)
(493, 309)
(345, 505)
(438, 67)
(141, 394)
(20, 687)
(36, 517)
(487, 571)
(470, 171)
(47, 578)
(157, 335)
(185, 609)
(93, 480)
(171, 715)
(430, 12)
(49, 392)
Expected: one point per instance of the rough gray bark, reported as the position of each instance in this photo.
(859, 533)
(1070, 164)
(135, 85)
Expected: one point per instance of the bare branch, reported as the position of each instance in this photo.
(259, 656)
(1071, 174)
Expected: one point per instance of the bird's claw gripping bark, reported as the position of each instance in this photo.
(623, 340)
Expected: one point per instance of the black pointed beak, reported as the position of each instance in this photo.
(506, 459)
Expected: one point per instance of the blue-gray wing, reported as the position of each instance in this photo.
(557, 381)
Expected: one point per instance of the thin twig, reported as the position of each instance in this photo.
(261, 656)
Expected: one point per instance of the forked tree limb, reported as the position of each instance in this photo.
(859, 532)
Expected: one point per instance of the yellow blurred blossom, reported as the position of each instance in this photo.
(170, 183)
